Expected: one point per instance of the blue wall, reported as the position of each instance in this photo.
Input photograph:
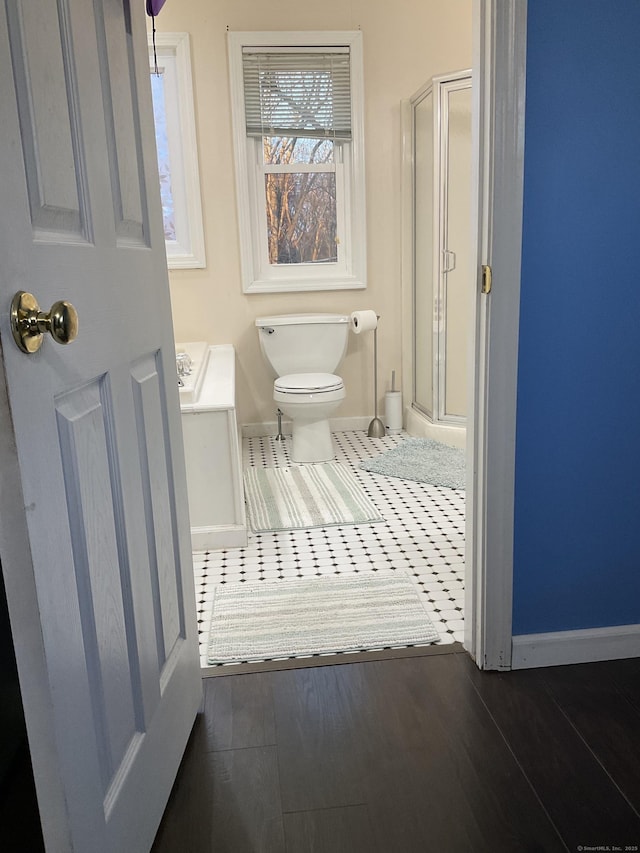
(577, 498)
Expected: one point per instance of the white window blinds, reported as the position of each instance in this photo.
(297, 92)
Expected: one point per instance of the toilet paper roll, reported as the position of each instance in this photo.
(363, 321)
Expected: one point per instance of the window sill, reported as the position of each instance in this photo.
(299, 285)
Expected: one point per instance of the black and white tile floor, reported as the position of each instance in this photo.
(423, 534)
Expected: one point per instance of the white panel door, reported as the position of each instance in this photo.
(94, 531)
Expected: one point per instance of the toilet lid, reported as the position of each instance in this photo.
(306, 383)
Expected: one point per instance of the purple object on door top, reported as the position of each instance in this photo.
(154, 6)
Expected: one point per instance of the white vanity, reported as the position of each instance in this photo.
(212, 447)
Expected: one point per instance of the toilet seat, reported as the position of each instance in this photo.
(308, 383)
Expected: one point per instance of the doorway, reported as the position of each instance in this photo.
(422, 537)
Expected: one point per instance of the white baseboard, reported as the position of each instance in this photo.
(219, 537)
(271, 427)
(585, 646)
(345, 424)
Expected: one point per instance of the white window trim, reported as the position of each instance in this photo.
(349, 275)
(187, 250)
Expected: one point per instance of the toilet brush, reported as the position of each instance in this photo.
(376, 427)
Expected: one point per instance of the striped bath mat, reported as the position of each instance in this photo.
(263, 620)
(321, 495)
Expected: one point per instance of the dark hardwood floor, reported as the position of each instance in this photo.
(415, 754)
(411, 755)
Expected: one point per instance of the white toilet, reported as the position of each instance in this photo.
(304, 350)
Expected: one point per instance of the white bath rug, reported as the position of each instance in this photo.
(423, 460)
(265, 620)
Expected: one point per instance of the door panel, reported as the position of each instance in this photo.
(44, 86)
(159, 512)
(117, 71)
(94, 531)
(86, 450)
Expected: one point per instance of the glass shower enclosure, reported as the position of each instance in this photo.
(440, 155)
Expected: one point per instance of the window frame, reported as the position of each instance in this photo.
(187, 251)
(258, 275)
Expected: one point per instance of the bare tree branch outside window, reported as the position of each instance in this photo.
(300, 206)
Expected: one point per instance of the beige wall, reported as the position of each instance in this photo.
(405, 43)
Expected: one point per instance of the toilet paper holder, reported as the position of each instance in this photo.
(376, 427)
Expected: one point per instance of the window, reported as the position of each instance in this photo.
(297, 102)
(177, 153)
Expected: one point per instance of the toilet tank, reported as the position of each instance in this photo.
(303, 343)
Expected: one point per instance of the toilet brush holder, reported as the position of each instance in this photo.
(376, 427)
(393, 408)
(393, 412)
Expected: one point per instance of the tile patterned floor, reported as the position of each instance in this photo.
(423, 535)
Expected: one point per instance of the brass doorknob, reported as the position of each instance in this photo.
(29, 324)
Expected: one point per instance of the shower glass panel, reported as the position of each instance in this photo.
(457, 230)
(423, 295)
